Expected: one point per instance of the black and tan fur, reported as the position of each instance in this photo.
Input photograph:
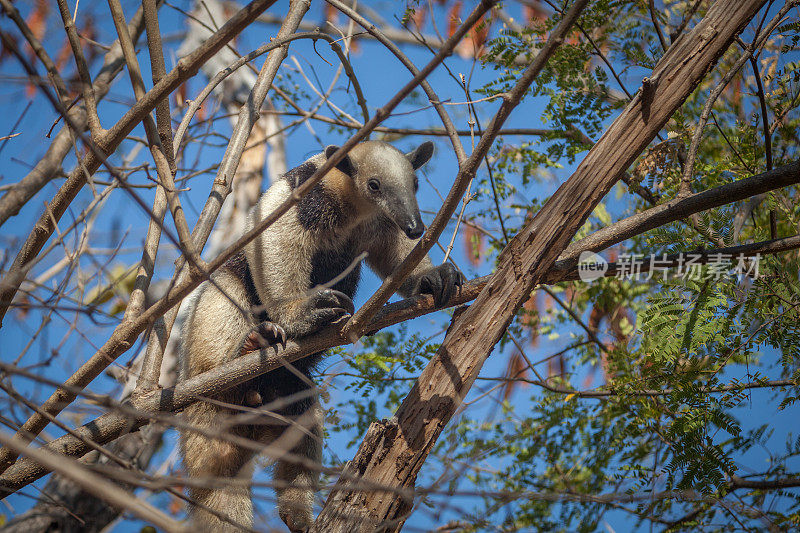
(282, 278)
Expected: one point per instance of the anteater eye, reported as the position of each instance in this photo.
(374, 185)
(416, 184)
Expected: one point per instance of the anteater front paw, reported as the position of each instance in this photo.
(262, 336)
(441, 282)
(332, 299)
(317, 311)
(327, 306)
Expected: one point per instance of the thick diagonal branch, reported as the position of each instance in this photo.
(466, 172)
(393, 451)
(108, 427)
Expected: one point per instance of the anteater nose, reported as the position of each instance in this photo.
(415, 230)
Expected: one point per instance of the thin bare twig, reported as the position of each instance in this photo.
(111, 425)
(773, 229)
(36, 46)
(49, 166)
(160, 144)
(186, 281)
(354, 328)
(275, 43)
(447, 123)
(93, 483)
(93, 119)
(654, 17)
(159, 71)
(686, 18)
(760, 40)
(111, 139)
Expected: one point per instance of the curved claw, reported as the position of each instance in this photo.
(317, 311)
(263, 335)
(327, 298)
(441, 282)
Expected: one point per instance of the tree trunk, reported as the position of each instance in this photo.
(376, 489)
(68, 508)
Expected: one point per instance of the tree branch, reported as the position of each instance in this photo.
(563, 270)
(110, 426)
(393, 451)
(126, 333)
(46, 224)
(93, 483)
(95, 128)
(466, 172)
(49, 165)
(760, 40)
(677, 209)
(433, 98)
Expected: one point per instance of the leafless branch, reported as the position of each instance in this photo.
(94, 483)
(93, 119)
(761, 39)
(66, 194)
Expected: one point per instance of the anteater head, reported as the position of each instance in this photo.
(385, 180)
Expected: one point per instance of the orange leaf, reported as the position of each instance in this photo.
(534, 12)
(180, 96)
(175, 505)
(37, 20)
(454, 18)
(331, 14)
(736, 88)
(473, 43)
(473, 242)
(531, 306)
(201, 111)
(88, 31)
(419, 16)
(64, 53)
(516, 369)
(530, 319)
(595, 317)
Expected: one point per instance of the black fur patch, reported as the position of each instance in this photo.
(300, 174)
(281, 382)
(238, 266)
(328, 264)
(318, 209)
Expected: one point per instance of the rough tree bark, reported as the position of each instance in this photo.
(111, 425)
(69, 507)
(394, 450)
(126, 332)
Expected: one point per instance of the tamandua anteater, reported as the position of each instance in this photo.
(367, 203)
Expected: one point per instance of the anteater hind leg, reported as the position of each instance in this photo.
(299, 478)
(297, 473)
(216, 463)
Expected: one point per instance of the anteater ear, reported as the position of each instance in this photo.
(421, 155)
(345, 165)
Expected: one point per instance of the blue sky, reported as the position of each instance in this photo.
(122, 223)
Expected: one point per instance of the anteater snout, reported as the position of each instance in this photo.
(415, 229)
